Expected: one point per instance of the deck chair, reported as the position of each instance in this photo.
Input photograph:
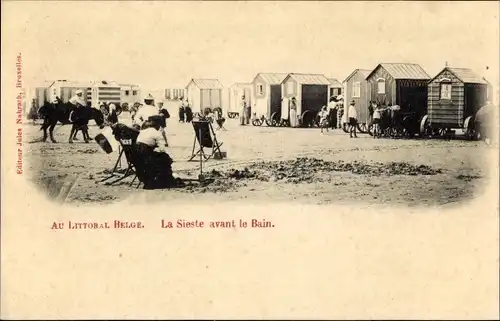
(203, 133)
(126, 137)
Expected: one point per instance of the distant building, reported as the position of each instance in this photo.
(402, 84)
(39, 92)
(266, 89)
(357, 89)
(203, 93)
(175, 93)
(65, 89)
(130, 94)
(454, 95)
(236, 91)
(94, 92)
(335, 87)
(310, 91)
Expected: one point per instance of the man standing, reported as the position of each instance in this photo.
(353, 119)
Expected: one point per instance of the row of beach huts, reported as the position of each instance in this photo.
(445, 100)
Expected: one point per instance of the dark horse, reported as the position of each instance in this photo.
(66, 113)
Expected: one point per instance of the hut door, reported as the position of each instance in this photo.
(215, 98)
(314, 97)
(276, 100)
(205, 99)
(413, 99)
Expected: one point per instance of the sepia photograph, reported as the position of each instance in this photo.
(314, 112)
(328, 107)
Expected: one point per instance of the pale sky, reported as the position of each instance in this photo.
(165, 44)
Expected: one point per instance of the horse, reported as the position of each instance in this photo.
(67, 113)
(110, 117)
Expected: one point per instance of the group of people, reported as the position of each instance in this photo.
(333, 117)
(151, 143)
(246, 111)
(185, 111)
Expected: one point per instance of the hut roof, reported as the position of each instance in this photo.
(309, 79)
(364, 72)
(241, 84)
(334, 82)
(207, 83)
(403, 71)
(272, 78)
(465, 75)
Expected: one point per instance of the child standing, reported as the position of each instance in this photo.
(323, 118)
(376, 121)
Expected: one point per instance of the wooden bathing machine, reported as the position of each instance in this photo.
(455, 95)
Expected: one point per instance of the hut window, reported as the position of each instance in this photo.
(356, 89)
(445, 90)
(134, 92)
(381, 86)
(127, 92)
(261, 89)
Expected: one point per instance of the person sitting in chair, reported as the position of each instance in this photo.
(157, 171)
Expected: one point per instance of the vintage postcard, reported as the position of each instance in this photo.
(250, 159)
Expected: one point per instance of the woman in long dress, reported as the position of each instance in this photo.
(293, 112)
(285, 109)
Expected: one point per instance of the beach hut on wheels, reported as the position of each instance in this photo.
(204, 93)
(310, 92)
(454, 97)
(267, 96)
(402, 84)
(335, 87)
(236, 91)
(358, 89)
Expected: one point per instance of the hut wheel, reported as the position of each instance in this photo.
(425, 127)
(257, 122)
(469, 128)
(345, 127)
(363, 128)
(369, 129)
(274, 119)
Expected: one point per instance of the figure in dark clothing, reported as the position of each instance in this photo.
(156, 171)
(189, 114)
(181, 114)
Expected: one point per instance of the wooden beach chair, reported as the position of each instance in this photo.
(126, 138)
(204, 137)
